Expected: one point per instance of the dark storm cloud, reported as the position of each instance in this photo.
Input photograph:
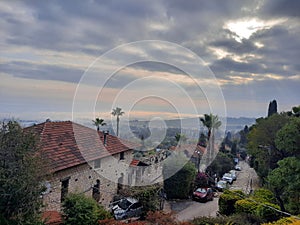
(288, 8)
(157, 66)
(233, 46)
(225, 65)
(41, 72)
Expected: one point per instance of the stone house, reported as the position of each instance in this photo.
(82, 160)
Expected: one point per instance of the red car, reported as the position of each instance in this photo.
(203, 194)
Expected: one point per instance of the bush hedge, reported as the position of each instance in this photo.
(227, 201)
(245, 206)
(79, 209)
(264, 195)
(266, 213)
(180, 185)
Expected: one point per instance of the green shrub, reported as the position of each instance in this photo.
(245, 206)
(284, 221)
(267, 214)
(178, 186)
(227, 201)
(245, 219)
(81, 210)
(147, 195)
(264, 195)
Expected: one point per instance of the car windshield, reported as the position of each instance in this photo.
(201, 190)
(222, 183)
(227, 175)
(124, 204)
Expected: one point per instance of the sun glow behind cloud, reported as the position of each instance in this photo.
(245, 28)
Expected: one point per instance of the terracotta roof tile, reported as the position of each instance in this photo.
(68, 144)
(134, 162)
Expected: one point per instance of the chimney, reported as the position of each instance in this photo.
(105, 136)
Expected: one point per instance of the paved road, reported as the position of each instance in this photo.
(247, 179)
(195, 209)
(188, 209)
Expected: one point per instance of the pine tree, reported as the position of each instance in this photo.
(272, 108)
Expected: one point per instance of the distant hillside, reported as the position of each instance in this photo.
(233, 124)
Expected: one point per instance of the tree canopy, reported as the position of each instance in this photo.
(261, 143)
(21, 175)
(285, 182)
(180, 184)
(288, 138)
(272, 108)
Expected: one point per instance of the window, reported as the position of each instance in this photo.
(64, 188)
(97, 164)
(122, 156)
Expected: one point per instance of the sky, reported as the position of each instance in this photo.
(154, 59)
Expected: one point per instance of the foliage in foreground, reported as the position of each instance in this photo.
(285, 182)
(20, 176)
(285, 221)
(152, 218)
(261, 204)
(81, 210)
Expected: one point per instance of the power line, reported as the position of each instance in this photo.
(268, 206)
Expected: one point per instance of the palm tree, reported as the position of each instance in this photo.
(180, 138)
(99, 123)
(212, 123)
(117, 112)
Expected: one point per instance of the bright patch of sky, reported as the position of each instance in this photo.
(245, 28)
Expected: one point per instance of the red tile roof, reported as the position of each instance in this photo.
(67, 144)
(134, 162)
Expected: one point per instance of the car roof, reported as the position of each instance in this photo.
(222, 181)
(132, 200)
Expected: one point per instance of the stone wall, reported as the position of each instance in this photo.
(82, 179)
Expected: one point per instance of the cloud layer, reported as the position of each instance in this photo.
(252, 47)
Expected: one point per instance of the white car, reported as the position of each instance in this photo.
(233, 174)
(228, 178)
(221, 185)
(237, 167)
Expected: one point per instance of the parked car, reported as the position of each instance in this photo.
(203, 194)
(238, 168)
(228, 177)
(233, 174)
(126, 208)
(221, 185)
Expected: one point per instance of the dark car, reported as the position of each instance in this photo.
(126, 208)
(203, 194)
